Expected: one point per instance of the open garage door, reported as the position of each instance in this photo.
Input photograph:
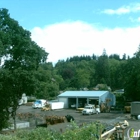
(71, 102)
(82, 102)
(93, 101)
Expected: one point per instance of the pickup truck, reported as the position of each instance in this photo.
(90, 110)
(40, 103)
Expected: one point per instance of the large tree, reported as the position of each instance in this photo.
(114, 66)
(20, 58)
(47, 82)
(132, 78)
(102, 69)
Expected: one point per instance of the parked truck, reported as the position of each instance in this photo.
(135, 109)
(40, 103)
(90, 109)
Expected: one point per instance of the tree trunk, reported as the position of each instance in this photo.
(14, 118)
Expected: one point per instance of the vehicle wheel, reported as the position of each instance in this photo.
(97, 112)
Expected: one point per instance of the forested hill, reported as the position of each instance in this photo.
(80, 72)
(87, 71)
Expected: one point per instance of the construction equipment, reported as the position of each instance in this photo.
(47, 107)
(53, 106)
(104, 107)
(115, 132)
(127, 107)
(79, 109)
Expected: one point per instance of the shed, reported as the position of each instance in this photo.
(80, 98)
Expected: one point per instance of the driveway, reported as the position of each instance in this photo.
(108, 118)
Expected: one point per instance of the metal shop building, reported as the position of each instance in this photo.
(78, 99)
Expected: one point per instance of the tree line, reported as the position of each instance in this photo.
(88, 71)
(24, 69)
(79, 72)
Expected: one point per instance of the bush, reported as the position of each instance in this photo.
(74, 132)
(5, 137)
(36, 134)
(86, 132)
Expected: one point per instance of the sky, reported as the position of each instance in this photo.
(67, 28)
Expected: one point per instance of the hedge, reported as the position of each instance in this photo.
(73, 132)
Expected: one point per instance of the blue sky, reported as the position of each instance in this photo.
(79, 27)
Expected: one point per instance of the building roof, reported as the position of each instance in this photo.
(82, 93)
(121, 91)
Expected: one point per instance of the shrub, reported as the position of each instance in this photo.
(9, 137)
(73, 132)
(87, 131)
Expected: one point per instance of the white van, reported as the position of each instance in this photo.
(40, 103)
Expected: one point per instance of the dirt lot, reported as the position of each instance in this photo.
(109, 118)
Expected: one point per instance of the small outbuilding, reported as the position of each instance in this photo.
(81, 98)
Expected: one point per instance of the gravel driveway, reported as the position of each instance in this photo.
(109, 118)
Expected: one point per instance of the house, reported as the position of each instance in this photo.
(120, 91)
(80, 98)
(102, 87)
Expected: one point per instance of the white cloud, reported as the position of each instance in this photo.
(138, 19)
(134, 19)
(117, 11)
(123, 10)
(66, 39)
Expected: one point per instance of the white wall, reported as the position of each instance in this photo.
(57, 105)
(65, 100)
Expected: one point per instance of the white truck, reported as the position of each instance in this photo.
(90, 109)
(40, 103)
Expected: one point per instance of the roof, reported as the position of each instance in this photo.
(119, 91)
(82, 93)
